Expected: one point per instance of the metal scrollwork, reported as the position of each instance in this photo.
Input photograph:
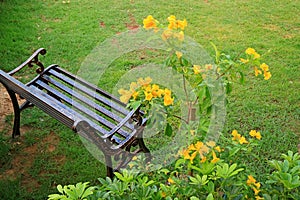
(33, 59)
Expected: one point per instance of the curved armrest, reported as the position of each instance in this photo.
(122, 123)
(33, 59)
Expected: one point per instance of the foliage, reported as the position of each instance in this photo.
(203, 170)
(78, 191)
(202, 180)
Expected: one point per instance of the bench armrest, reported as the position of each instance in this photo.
(33, 59)
(122, 123)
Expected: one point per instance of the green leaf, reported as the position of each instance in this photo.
(179, 162)
(210, 187)
(55, 196)
(185, 62)
(168, 130)
(119, 176)
(210, 197)
(60, 189)
(88, 192)
(217, 53)
(242, 77)
(135, 104)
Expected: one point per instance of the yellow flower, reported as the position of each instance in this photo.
(186, 154)
(192, 147)
(267, 75)
(215, 158)
(155, 87)
(203, 150)
(166, 34)
(203, 159)
(218, 148)
(250, 51)
(176, 24)
(257, 185)
(167, 92)
(256, 55)
(160, 93)
(170, 180)
(134, 158)
(148, 96)
(193, 156)
(125, 95)
(251, 180)
(198, 146)
(172, 22)
(179, 36)
(133, 86)
(178, 54)
(135, 95)
(168, 100)
(236, 135)
(150, 22)
(243, 140)
(244, 60)
(147, 88)
(145, 82)
(192, 132)
(257, 71)
(130, 165)
(181, 24)
(197, 69)
(155, 90)
(258, 198)
(264, 67)
(211, 143)
(208, 67)
(255, 134)
(256, 191)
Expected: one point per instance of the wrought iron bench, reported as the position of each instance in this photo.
(86, 109)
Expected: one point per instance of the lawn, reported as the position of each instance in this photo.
(48, 154)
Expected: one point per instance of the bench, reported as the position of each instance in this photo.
(93, 113)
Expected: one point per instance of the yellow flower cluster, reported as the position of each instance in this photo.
(238, 137)
(241, 139)
(255, 186)
(175, 24)
(143, 88)
(171, 32)
(265, 68)
(127, 94)
(251, 51)
(255, 134)
(201, 70)
(201, 149)
(150, 23)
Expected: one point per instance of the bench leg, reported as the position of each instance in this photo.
(144, 149)
(109, 169)
(16, 128)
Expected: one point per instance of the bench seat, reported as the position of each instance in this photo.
(88, 110)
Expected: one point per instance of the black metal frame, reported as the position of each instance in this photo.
(116, 143)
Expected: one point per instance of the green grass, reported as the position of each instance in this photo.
(70, 31)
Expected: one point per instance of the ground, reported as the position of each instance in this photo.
(22, 155)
